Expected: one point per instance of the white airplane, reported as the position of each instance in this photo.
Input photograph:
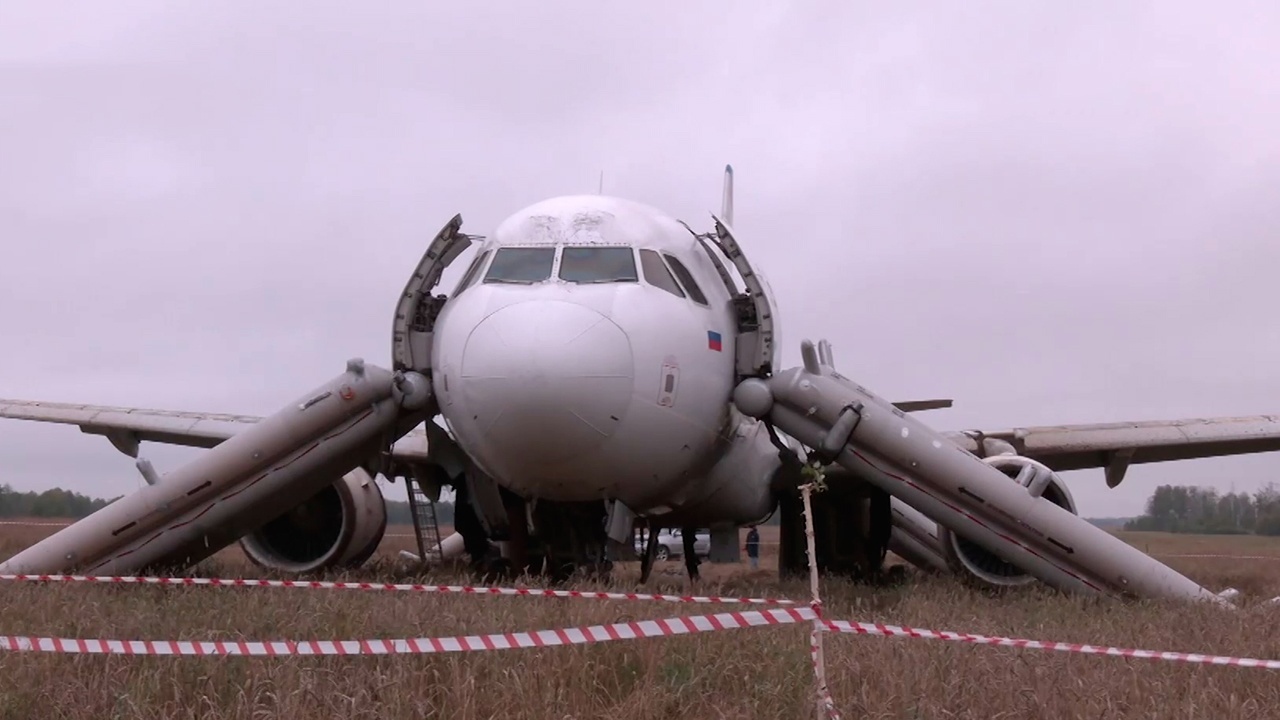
(600, 362)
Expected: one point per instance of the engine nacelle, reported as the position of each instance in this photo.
(340, 526)
(974, 562)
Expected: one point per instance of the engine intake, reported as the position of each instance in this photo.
(340, 526)
(978, 564)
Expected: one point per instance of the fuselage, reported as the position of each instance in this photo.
(588, 353)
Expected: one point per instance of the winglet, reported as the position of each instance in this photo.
(726, 202)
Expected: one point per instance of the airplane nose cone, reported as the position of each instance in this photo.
(545, 381)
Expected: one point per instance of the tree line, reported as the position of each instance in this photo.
(398, 513)
(68, 504)
(1171, 508)
(1185, 509)
(55, 503)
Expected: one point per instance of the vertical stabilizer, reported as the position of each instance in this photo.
(726, 203)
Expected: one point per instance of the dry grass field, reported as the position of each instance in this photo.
(755, 673)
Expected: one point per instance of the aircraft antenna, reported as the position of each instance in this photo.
(726, 203)
(600, 191)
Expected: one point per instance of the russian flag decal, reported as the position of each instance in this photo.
(713, 340)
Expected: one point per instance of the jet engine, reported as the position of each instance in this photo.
(340, 526)
(974, 562)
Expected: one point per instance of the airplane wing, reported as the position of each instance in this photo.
(126, 427)
(163, 426)
(1115, 446)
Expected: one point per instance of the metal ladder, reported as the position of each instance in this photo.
(426, 529)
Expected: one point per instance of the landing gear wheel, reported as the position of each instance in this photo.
(663, 553)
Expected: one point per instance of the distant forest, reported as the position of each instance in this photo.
(1109, 523)
(1170, 508)
(55, 503)
(1203, 510)
(398, 513)
(59, 503)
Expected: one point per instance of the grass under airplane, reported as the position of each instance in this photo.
(600, 363)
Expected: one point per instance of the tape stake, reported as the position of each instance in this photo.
(826, 705)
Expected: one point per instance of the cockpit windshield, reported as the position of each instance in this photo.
(472, 272)
(522, 265)
(657, 274)
(598, 265)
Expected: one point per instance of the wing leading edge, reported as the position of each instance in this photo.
(126, 427)
(1113, 446)
(1116, 446)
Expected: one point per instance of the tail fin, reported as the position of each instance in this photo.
(726, 202)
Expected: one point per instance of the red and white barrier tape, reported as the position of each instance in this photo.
(419, 646)
(584, 635)
(1223, 557)
(32, 523)
(397, 587)
(68, 523)
(842, 626)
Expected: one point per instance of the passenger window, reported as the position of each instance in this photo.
(521, 265)
(657, 274)
(686, 279)
(473, 271)
(598, 265)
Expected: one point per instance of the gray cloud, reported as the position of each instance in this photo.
(1052, 214)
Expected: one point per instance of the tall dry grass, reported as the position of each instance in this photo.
(755, 673)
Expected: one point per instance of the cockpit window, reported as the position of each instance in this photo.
(470, 276)
(657, 274)
(598, 265)
(521, 265)
(686, 279)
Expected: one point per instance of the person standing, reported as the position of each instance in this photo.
(753, 546)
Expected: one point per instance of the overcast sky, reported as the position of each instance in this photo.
(1051, 212)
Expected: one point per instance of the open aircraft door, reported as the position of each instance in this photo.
(756, 349)
(411, 340)
(417, 309)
